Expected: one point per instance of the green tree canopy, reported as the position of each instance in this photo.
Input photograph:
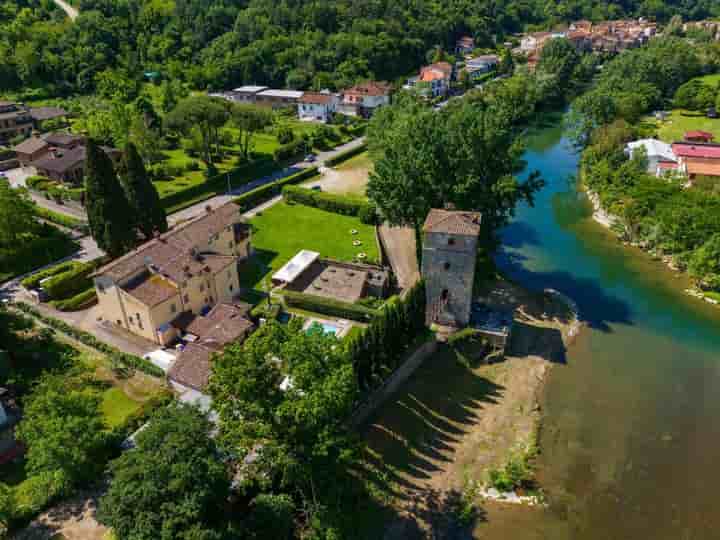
(172, 485)
(249, 119)
(111, 220)
(141, 194)
(17, 214)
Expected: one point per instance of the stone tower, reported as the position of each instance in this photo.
(448, 265)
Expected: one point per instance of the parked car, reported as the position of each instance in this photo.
(310, 158)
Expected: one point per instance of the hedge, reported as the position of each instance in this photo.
(82, 300)
(70, 282)
(287, 151)
(259, 195)
(327, 306)
(344, 156)
(88, 339)
(32, 282)
(61, 219)
(330, 202)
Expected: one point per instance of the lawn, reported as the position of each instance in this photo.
(681, 121)
(283, 230)
(47, 245)
(117, 406)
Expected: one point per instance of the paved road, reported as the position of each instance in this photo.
(67, 8)
(199, 208)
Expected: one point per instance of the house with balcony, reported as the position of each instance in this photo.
(15, 119)
(318, 106)
(365, 98)
(182, 274)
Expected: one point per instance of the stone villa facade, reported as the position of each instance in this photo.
(448, 265)
(192, 268)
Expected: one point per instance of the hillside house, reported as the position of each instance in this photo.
(68, 165)
(697, 159)
(247, 94)
(318, 106)
(464, 45)
(365, 98)
(660, 155)
(698, 136)
(15, 119)
(278, 99)
(187, 270)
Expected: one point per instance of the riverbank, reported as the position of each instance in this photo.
(458, 417)
(609, 221)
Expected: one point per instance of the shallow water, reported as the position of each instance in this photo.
(631, 437)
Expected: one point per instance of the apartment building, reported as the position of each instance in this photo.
(186, 271)
(15, 119)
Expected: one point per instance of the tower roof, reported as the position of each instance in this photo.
(453, 222)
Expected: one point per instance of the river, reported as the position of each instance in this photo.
(630, 444)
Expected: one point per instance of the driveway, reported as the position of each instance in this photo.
(399, 244)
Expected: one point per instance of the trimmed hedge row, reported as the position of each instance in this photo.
(327, 306)
(331, 202)
(259, 195)
(88, 339)
(32, 282)
(82, 300)
(61, 219)
(71, 282)
(344, 156)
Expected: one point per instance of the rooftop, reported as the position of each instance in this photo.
(250, 89)
(318, 98)
(696, 150)
(151, 289)
(370, 88)
(41, 114)
(296, 266)
(453, 222)
(336, 281)
(284, 94)
(31, 145)
(653, 148)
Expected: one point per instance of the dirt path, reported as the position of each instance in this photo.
(399, 243)
(67, 8)
(455, 419)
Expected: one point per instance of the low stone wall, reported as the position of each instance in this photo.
(401, 374)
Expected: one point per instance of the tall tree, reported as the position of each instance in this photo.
(172, 485)
(111, 220)
(249, 119)
(142, 196)
(17, 214)
(465, 156)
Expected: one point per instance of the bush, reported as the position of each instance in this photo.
(285, 135)
(32, 282)
(61, 219)
(80, 301)
(264, 193)
(139, 417)
(368, 214)
(330, 202)
(463, 336)
(290, 150)
(75, 194)
(37, 492)
(194, 165)
(265, 311)
(344, 156)
(70, 282)
(271, 516)
(327, 306)
(91, 341)
(39, 183)
(515, 474)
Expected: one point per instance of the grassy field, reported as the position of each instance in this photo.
(680, 121)
(283, 230)
(117, 406)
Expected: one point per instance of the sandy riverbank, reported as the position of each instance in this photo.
(456, 418)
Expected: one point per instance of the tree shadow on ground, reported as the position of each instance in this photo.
(413, 436)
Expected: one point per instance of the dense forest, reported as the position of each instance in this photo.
(298, 43)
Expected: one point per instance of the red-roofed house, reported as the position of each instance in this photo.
(438, 77)
(318, 106)
(698, 159)
(699, 136)
(362, 99)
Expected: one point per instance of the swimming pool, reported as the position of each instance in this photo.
(326, 327)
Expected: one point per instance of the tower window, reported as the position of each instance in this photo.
(444, 295)
(451, 241)
(446, 266)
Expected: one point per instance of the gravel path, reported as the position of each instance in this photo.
(399, 243)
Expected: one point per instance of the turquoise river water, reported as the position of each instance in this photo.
(631, 433)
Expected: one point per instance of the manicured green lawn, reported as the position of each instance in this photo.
(283, 230)
(117, 406)
(681, 121)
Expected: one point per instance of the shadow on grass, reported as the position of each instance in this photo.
(413, 436)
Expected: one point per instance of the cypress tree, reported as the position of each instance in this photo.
(109, 215)
(141, 194)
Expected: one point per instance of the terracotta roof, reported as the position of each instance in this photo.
(432, 75)
(151, 289)
(703, 167)
(31, 145)
(444, 67)
(317, 98)
(370, 88)
(170, 253)
(699, 150)
(452, 222)
(699, 135)
(63, 139)
(62, 161)
(192, 367)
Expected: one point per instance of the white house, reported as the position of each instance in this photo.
(318, 106)
(362, 99)
(660, 155)
(484, 63)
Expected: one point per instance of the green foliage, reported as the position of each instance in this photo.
(204, 116)
(110, 217)
(17, 214)
(328, 306)
(33, 281)
(70, 282)
(330, 202)
(61, 219)
(91, 341)
(344, 156)
(271, 516)
(516, 474)
(704, 263)
(63, 428)
(171, 485)
(80, 301)
(142, 196)
(249, 120)
(291, 150)
(264, 193)
(38, 492)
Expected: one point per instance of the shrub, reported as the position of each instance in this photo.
(70, 282)
(75, 194)
(271, 516)
(330, 202)
(37, 492)
(290, 150)
(264, 193)
(31, 282)
(462, 336)
(327, 306)
(39, 183)
(265, 311)
(82, 300)
(194, 165)
(344, 156)
(91, 341)
(515, 474)
(61, 219)
(368, 214)
(285, 135)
